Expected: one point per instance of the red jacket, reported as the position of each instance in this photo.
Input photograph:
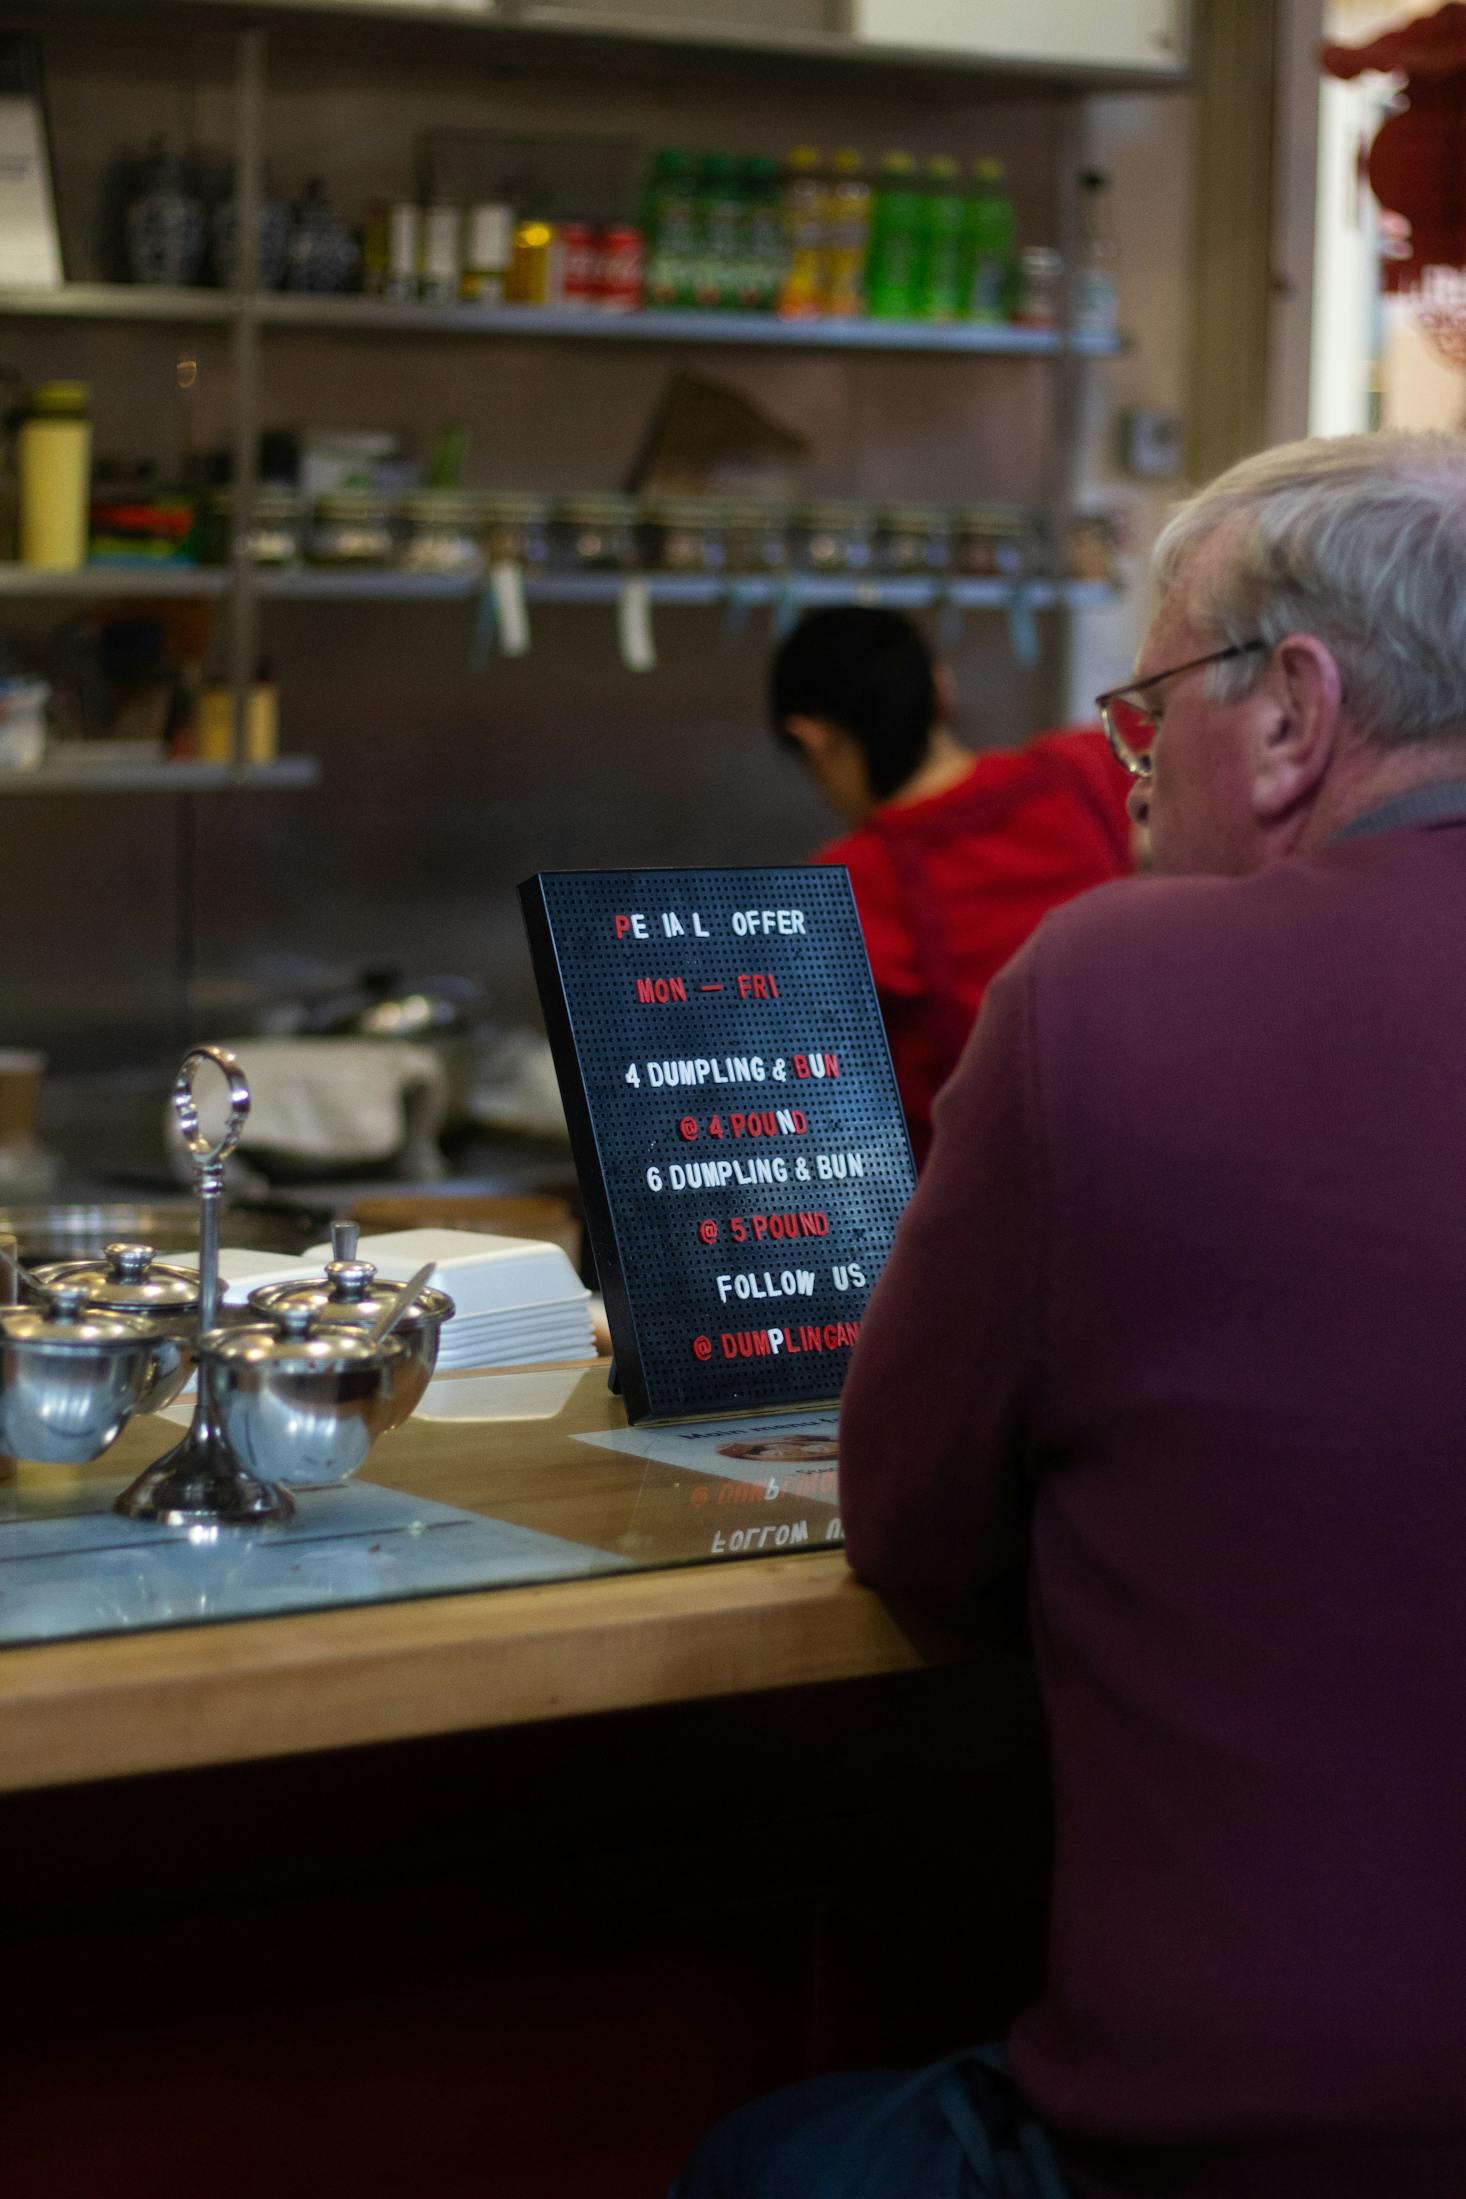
(949, 888)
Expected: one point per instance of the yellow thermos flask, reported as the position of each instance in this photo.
(54, 464)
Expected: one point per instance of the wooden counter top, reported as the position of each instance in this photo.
(179, 1696)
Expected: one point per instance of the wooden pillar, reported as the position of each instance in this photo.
(1232, 259)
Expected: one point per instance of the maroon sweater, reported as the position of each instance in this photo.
(1176, 1319)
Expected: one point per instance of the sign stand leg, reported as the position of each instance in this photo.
(613, 1379)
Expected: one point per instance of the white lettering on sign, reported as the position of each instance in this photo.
(750, 923)
(714, 1175)
(761, 1538)
(727, 1069)
(789, 1283)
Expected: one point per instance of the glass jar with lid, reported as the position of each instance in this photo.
(352, 527)
(684, 534)
(515, 529)
(915, 541)
(836, 538)
(756, 539)
(440, 533)
(990, 541)
(276, 530)
(597, 534)
(1094, 546)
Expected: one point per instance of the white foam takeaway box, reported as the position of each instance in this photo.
(481, 1273)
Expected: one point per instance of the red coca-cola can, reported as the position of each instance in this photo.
(580, 264)
(622, 272)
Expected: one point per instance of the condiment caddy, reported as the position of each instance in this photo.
(293, 1399)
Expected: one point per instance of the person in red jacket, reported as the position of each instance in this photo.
(954, 857)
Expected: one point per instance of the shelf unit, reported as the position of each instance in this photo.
(320, 584)
(114, 583)
(247, 318)
(595, 34)
(186, 776)
(379, 317)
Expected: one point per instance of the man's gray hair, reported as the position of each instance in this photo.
(1357, 539)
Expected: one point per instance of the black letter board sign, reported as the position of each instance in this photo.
(733, 1113)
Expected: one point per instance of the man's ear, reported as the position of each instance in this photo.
(1300, 719)
(815, 737)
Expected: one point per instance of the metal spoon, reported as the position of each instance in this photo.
(398, 1306)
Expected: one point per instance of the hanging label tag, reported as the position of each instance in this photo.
(506, 579)
(634, 626)
(1022, 628)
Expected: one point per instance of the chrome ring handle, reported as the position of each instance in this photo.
(204, 1152)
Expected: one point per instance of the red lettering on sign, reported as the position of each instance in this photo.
(751, 1343)
(660, 989)
(622, 924)
(782, 1226)
(757, 985)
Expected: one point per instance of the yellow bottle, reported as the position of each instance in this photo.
(54, 464)
(847, 238)
(214, 722)
(802, 207)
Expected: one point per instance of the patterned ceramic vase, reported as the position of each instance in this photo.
(322, 253)
(166, 230)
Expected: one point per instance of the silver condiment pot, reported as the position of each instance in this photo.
(299, 1400)
(130, 1279)
(353, 1294)
(70, 1378)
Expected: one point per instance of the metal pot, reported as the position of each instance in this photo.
(352, 1294)
(130, 1279)
(300, 1401)
(70, 1379)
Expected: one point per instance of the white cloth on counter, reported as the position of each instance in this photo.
(343, 1102)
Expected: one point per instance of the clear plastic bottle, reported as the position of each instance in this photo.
(895, 238)
(802, 203)
(1096, 313)
(991, 245)
(671, 231)
(847, 238)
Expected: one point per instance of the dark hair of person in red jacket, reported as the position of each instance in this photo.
(954, 857)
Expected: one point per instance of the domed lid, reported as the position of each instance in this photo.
(294, 1341)
(67, 1324)
(352, 1291)
(127, 1279)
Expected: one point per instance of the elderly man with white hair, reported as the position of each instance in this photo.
(1170, 1340)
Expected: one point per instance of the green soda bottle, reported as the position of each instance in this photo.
(671, 231)
(895, 238)
(719, 224)
(763, 237)
(941, 255)
(990, 255)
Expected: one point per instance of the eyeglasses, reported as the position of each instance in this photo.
(1131, 723)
